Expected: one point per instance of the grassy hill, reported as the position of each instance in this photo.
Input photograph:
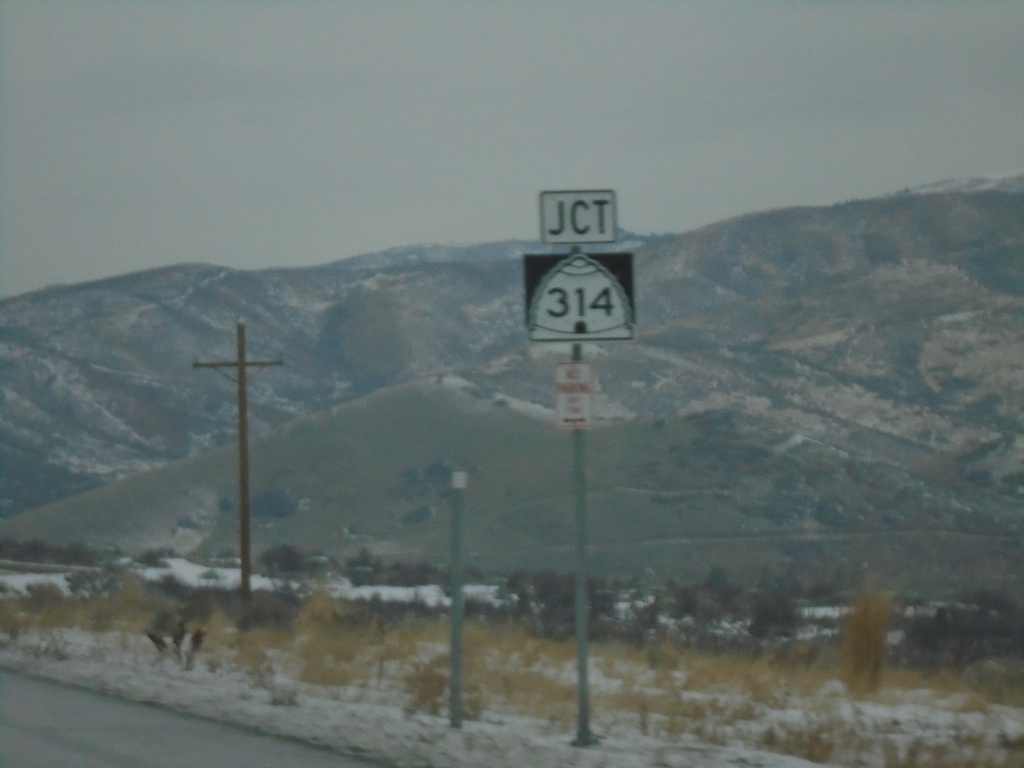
(671, 497)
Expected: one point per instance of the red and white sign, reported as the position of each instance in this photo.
(574, 395)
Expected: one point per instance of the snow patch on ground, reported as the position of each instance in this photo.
(525, 407)
(129, 667)
(19, 583)
(725, 726)
(194, 575)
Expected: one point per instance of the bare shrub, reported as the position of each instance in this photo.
(47, 604)
(634, 702)
(257, 664)
(862, 654)
(918, 754)
(1001, 680)
(320, 612)
(426, 686)
(269, 610)
(125, 605)
(330, 658)
(523, 671)
(52, 645)
(474, 702)
(663, 655)
(11, 621)
(284, 696)
(816, 742)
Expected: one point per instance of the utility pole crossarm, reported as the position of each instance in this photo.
(234, 363)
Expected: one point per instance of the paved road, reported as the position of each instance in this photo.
(43, 725)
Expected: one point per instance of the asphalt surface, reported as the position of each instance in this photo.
(45, 724)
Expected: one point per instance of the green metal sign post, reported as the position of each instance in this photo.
(577, 298)
(584, 737)
(459, 484)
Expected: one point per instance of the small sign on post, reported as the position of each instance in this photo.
(574, 395)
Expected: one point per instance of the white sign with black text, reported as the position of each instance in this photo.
(579, 216)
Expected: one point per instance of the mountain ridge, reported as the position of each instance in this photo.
(885, 331)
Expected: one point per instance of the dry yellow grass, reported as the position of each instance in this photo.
(662, 690)
(220, 629)
(918, 754)
(11, 620)
(334, 646)
(863, 647)
(427, 686)
(817, 742)
(334, 658)
(526, 674)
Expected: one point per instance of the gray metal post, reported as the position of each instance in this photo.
(584, 737)
(459, 483)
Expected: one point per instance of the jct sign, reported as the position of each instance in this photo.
(579, 216)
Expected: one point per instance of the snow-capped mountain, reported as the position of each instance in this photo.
(1000, 181)
(886, 331)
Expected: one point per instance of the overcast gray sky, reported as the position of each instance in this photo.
(140, 133)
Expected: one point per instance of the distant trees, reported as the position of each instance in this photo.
(367, 569)
(285, 560)
(274, 502)
(773, 615)
(155, 558)
(37, 551)
(979, 625)
(714, 612)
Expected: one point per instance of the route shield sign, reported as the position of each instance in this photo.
(579, 297)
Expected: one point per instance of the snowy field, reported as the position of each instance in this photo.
(718, 725)
(374, 730)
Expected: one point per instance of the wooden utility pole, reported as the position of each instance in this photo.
(240, 364)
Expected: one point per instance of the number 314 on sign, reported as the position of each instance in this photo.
(579, 297)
